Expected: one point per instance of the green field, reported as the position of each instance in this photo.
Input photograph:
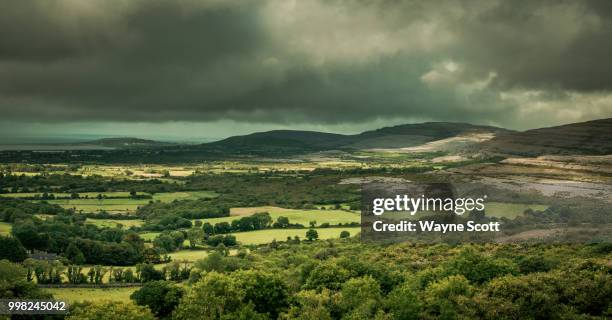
(189, 255)
(510, 210)
(185, 195)
(94, 205)
(72, 295)
(5, 228)
(192, 255)
(44, 216)
(124, 205)
(303, 217)
(91, 195)
(112, 223)
(149, 236)
(266, 236)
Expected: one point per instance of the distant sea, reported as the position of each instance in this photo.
(50, 147)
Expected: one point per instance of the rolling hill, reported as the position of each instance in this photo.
(278, 141)
(409, 135)
(584, 138)
(293, 142)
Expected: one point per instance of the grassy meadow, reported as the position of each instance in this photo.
(94, 205)
(189, 255)
(72, 295)
(5, 228)
(333, 217)
(86, 195)
(149, 236)
(114, 202)
(266, 236)
(113, 223)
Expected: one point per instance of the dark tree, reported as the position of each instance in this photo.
(208, 228)
(312, 234)
(281, 222)
(149, 273)
(151, 255)
(12, 250)
(15, 285)
(30, 238)
(74, 254)
(161, 297)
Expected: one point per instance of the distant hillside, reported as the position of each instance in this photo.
(591, 137)
(587, 138)
(125, 142)
(294, 142)
(278, 141)
(409, 135)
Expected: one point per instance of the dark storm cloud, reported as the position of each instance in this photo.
(305, 61)
(35, 31)
(542, 44)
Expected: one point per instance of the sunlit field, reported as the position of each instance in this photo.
(111, 223)
(304, 217)
(108, 205)
(113, 202)
(266, 236)
(149, 236)
(72, 295)
(188, 255)
(5, 228)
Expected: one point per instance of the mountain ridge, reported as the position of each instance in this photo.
(583, 138)
(283, 141)
(589, 137)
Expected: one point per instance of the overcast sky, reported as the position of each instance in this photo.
(209, 69)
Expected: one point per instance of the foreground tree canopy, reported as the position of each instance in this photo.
(348, 280)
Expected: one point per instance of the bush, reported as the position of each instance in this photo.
(360, 296)
(479, 268)
(161, 297)
(227, 240)
(216, 261)
(312, 235)
(535, 263)
(267, 292)
(13, 283)
(547, 295)
(147, 272)
(214, 296)
(326, 275)
(404, 301)
(74, 254)
(311, 305)
(110, 311)
(447, 298)
(12, 249)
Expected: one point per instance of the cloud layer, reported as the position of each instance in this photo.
(518, 64)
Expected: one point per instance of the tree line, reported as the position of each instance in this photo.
(70, 236)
